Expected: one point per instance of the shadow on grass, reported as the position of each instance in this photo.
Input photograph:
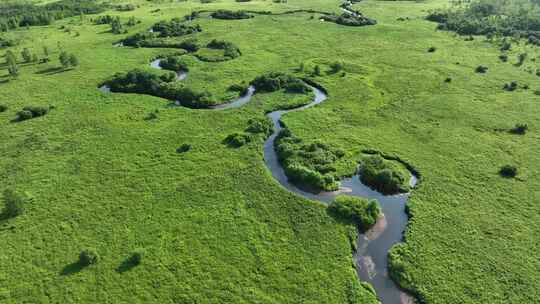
(72, 268)
(51, 71)
(126, 265)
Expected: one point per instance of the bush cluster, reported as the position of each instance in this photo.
(175, 28)
(512, 86)
(13, 204)
(348, 19)
(311, 165)
(183, 148)
(382, 175)
(88, 257)
(31, 112)
(363, 213)
(229, 15)
(237, 139)
(174, 63)
(229, 49)
(3, 108)
(481, 69)
(143, 82)
(260, 126)
(490, 17)
(275, 81)
(520, 129)
(508, 171)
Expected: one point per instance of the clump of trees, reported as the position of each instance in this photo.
(31, 112)
(143, 82)
(382, 175)
(237, 139)
(3, 108)
(309, 165)
(489, 17)
(174, 63)
(230, 50)
(229, 15)
(68, 60)
(20, 14)
(183, 148)
(175, 28)
(361, 212)
(348, 19)
(260, 126)
(275, 81)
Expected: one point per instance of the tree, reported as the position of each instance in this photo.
(116, 26)
(13, 70)
(73, 60)
(26, 55)
(317, 70)
(64, 59)
(13, 204)
(45, 51)
(10, 58)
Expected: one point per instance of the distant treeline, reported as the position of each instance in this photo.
(17, 14)
(491, 17)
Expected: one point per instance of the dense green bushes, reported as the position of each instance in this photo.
(274, 81)
(349, 19)
(18, 14)
(237, 139)
(13, 204)
(174, 63)
(175, 28)
(310, 165)
(383, 175)
(519, 129)
(142, 82)
(88, 257)
(229, 15)
(485, 17)
(260, 126)
(508, 171)
(230, 51)
(3, 108)
(183, 148)
(31, 112)
(363, 213)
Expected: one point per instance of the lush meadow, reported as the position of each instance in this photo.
(215, 226)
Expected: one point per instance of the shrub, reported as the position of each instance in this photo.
(137, 256)
(237, 139)
(335, 67)
(308, 165)
(512, 86)
(260, 125)
(363, 213)
(377, 173)
(3, 108)
(175, 28)
(31, 112)
(273, 81)
(508, 171)
(448, 80)
(88, 257)
(183, 148)
(13, 204)
(241, 89)
(229, 15)
(174, 63)
(230, 50)
(481, 69)
(432, 49)
(190, 45)
(520, 129)
(348, 19)
(503, 57)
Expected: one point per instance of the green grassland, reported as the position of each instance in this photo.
(217, 228)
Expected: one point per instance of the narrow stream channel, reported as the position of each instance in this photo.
(371, 258)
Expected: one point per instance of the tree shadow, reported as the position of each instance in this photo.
(126, 265)
(72, 268)
(51, 71)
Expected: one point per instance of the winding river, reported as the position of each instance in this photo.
(371, 257)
